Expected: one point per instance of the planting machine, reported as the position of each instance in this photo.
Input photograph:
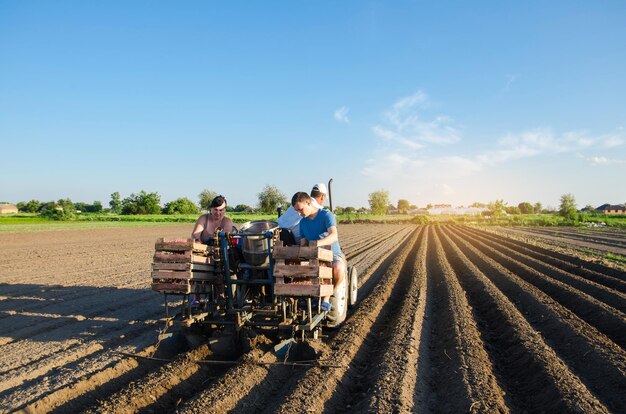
(249, 283)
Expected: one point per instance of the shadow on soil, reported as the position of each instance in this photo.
(58, 313)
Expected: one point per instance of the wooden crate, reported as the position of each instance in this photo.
(183, 266)
(303, 271)
(180, 286)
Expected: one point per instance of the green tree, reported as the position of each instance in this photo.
(180, 206)
(349, 210)
(89, 208)
(142, 203)
(59, 210)
(243, 208)
(538, 208)
(429, 206)
(31, 206)
(526, 208)
(567, 208)
(378, 201)
(96, 207)
(513, 210)
(205, 197)
(116, 203)
(66, 204)
(497, 208)
(476, 204)
(270, 198)
(403, 206)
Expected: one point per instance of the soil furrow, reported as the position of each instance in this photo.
(597, 361)
(571, 242)
(534, 377)
(345, 345)
(612, 298)
(609, 269)
(581, 269)
(606, 319)
(275, 385)
(461, 375)
(397, 380)
(589, 237)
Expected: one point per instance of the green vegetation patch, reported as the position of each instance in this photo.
(616, 258)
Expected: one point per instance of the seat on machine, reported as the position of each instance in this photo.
(287, 237)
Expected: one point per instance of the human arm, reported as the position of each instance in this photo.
(198, 228)
(333, 236)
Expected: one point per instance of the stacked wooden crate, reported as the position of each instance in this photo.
(184, 266)
(303, 270)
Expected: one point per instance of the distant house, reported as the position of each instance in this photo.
(459, 211)
(8, 208)
(611, 209)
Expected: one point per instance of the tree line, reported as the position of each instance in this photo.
(270, 198)
(143, 202)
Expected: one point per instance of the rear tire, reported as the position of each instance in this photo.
(339, 301)
(354, 286)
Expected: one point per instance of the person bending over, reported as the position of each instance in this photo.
(321, 225)
(291, 219)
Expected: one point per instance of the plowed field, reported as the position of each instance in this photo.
(604, 240)
(451, 319)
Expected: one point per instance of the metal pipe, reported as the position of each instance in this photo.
(330, 194)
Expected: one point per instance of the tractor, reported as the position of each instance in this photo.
(249, 284)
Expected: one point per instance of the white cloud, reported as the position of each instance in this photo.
(403, 123)
(419, 153)
(510, 80)
(341, 114)
(605, 161)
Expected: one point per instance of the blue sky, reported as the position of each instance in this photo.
(435, 102)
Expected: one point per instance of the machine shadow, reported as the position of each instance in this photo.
(57, 313)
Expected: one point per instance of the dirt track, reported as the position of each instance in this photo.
(452, 319)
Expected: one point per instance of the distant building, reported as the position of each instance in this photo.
(8, 208)
(456, 211)
(611, 209)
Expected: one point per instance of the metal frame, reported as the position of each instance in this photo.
(287, 315)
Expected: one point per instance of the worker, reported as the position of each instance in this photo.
(321, 225)
(290, 219)
(207, 224)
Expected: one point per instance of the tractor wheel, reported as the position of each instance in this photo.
(354, 286)
(339, 302)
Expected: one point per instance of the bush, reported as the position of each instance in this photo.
(54, 211)
(270, 198)
(181, 206)
(420, 219)
(33, 206)
(378, 201)
(142, 203)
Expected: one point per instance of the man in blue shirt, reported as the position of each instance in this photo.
(321, 225)
(291, 219)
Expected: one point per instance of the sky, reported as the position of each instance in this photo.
(433, 101)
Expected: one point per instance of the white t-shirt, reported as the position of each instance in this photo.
(290, 219)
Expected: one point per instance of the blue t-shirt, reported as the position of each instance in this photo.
(317, 228)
